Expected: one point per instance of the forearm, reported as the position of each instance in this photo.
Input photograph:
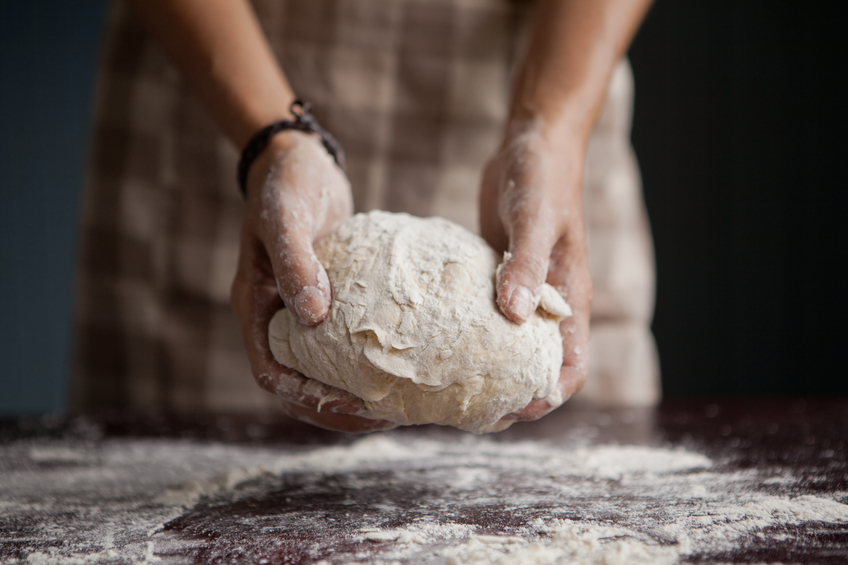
(220, 48)
(573, 49)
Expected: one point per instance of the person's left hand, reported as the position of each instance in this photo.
(531, 206)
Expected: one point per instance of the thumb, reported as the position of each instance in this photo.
(301, 280)
(525, 268)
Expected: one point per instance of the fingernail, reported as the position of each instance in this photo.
(521, 302)
(310, 305)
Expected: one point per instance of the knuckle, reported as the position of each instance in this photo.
(266, 382)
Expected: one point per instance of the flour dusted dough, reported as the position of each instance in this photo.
(414, 329)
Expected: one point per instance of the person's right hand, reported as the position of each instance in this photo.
(295, 194)
(530, 205)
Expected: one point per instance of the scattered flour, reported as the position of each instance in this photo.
(559, 541)
(408, 499)
(601, 462)
(614, 461)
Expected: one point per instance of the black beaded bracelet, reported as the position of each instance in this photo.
(303, 121)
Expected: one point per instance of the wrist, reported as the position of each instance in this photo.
(559, 134)
(548, 154)
(272, 156)
(256, 118)
(303, 122)
(560, 125)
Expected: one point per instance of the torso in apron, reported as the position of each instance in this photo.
(417, 92)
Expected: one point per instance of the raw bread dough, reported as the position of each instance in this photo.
(415, 331)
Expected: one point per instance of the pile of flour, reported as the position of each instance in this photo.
(399, 498)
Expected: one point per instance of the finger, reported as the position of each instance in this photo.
(317, 396)
(254, 299)
(300, 198)
(533, 411)
(569, 274)
(520, 278)
(336, 422)
(301, 279)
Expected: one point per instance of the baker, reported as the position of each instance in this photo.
(417, 92)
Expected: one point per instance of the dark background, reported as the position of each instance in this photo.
(48, 51)
(740, 129)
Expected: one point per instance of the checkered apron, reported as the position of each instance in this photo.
(417, 93)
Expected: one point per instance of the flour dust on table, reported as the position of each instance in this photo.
(390, 498)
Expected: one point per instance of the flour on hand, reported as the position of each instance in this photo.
(415, 331)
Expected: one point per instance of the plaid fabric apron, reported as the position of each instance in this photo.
(417, 92)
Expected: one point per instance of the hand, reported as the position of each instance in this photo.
(530, 205)
(295, 195)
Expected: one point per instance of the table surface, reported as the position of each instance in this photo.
(742, 481)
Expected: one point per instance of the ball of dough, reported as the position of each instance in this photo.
(414, 329)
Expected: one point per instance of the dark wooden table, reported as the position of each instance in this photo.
(741, 481)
